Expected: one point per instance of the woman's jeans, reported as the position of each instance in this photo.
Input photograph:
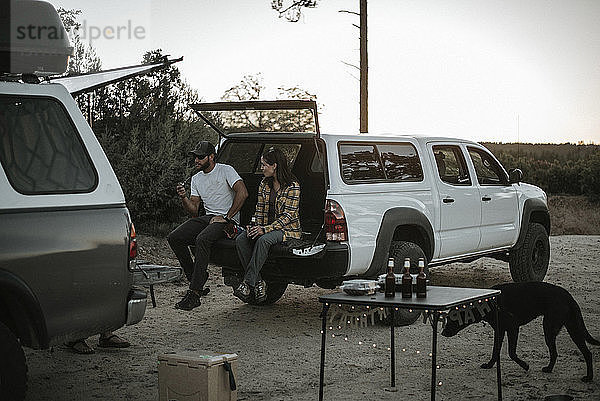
(253, 253)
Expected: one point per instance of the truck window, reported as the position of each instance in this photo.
(242, 156)
(488, 171)
(401, 162)
(360, 163)
(41, 151)
(451, 165)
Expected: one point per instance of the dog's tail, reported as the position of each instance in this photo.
(590, 339)
(579, 317)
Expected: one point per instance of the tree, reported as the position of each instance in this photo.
(292, 11)
(146, 127)
(84, 58)
(251, 87)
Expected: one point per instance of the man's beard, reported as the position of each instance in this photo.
(202, 166)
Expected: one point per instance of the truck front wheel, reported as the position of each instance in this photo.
(13, 370)
(530, 261)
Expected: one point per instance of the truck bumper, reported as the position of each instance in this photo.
(326, 268)
(136, 306)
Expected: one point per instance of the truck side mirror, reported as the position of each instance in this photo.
(515, 176)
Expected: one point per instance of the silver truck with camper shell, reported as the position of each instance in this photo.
(67, 242)
(365, 198)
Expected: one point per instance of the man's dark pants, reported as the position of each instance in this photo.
(196, 231)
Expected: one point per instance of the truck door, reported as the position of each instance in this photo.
(499, 204)
(459, 203)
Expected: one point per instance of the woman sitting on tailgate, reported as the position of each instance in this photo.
(276, 219)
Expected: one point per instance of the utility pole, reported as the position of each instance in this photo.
(364, 67)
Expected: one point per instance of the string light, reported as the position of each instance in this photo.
(374, 345)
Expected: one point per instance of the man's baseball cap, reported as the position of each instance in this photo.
(203, 149)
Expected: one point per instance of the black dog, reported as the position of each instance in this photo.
(520, 303)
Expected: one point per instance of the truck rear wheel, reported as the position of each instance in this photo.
(530, 261)
(399, 250)
(13, 369)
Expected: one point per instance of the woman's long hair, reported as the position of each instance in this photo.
(283, 173)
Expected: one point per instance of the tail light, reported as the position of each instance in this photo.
(336, 228)
(132, 243)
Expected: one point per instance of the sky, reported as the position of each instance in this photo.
(484, 70)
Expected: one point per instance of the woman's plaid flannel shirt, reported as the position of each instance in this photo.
(287, 201)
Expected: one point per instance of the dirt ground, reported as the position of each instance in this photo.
(279, 345)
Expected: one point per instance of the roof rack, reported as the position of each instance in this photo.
(77, 84)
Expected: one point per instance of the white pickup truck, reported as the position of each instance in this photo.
(365, 198)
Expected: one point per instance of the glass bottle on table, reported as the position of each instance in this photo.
(390, 280)
(421, 280)
(406, 280)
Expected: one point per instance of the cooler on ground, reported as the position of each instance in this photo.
(197, 376)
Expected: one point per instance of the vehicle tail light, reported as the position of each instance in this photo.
(336, 228)
(132, 243)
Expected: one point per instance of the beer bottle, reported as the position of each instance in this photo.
(253, 221)
(390, 280)
(406, 280)
(421, 280)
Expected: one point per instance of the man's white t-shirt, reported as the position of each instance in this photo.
(216, 189)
